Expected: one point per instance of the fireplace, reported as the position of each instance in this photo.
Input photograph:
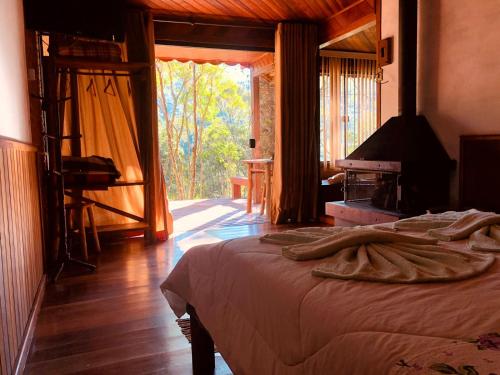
(404, 188)
(402, 169)
(377, 188)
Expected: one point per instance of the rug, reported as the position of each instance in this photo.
(185, 326)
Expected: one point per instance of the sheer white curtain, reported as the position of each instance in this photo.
(348, 105)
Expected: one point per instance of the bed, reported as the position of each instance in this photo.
(269, 315)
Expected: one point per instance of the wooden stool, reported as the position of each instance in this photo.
(259, 166)
(252, 172)
(78, 208)
(266, 184)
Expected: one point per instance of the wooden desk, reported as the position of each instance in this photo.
(259, 166)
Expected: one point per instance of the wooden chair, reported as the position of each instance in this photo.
(78, 209)
(236, 184)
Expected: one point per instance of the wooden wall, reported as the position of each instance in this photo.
(21, 254)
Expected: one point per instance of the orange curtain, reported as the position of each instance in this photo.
(108, 129)
(296, 165)
(140, 48)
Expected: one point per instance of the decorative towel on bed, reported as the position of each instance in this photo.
(486, 239)
(311, 234)
(465, 226)
(301, 235)
(481, 228)
(349, 237)
(425, 222)
(403, 263)
(372, 254)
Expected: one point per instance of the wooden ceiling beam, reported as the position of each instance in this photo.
(359, 26)
(354, 18)
(215, 36)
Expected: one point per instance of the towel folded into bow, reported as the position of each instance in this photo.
(347, 238)
(423, 223)
(481, 228)
(373, 254)
(403, 263)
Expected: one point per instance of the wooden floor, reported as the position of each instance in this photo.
(116, 321)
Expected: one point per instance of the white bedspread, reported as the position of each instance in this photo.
(269, 315)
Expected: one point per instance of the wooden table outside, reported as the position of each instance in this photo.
(258, 166)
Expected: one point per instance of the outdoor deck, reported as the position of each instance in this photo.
(199, 214)
(202, 221)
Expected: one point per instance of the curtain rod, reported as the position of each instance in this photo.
(348, 54)
(200, 23)
(106, 74)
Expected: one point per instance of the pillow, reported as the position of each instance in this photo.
(336, 179)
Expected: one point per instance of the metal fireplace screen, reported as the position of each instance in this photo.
(373, 188)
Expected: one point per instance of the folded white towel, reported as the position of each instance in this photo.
(300, 235)
(375, 253)
(465, 226)
(486, 239)
(403, 263)
(347, 238)
(425, 222)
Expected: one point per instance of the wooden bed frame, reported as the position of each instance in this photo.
(202, 345)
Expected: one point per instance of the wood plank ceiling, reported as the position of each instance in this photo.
(255, 10)
(334, 17)
(364, 41)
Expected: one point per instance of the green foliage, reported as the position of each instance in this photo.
(202, 141)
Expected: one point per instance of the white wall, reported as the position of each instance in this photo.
(458, 69)
(459, 81)
(14, 105)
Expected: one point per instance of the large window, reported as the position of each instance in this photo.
(203, 126)
(348, 105)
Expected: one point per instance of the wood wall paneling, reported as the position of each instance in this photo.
(20, 247)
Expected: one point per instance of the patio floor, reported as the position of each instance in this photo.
(200, 214)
